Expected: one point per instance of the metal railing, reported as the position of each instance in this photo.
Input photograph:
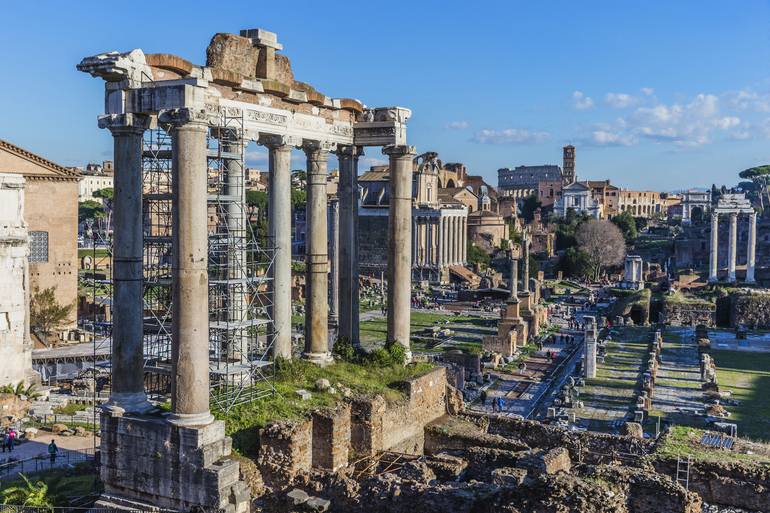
(43, 462)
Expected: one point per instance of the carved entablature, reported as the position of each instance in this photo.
(116, 67)
(381, 126)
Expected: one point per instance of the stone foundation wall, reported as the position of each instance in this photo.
(147, 460)
(583, 446)
(688, 314)
(750, 310)
(404, 424)
(738, 485)
(365, 427)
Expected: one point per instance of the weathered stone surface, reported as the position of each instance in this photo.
(508, 476)
(547, 461)
(633, 429)
(232, 53)
(751, 310)
(454, 401)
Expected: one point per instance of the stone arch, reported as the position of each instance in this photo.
(450, 184)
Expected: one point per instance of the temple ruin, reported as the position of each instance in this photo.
(198, 119)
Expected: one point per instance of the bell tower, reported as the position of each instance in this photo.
(568, 168)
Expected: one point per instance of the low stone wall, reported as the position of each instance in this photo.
(583, 446)
(403, 425)
(333, 437)
(678, 313)
(737, 485)
(751, 310)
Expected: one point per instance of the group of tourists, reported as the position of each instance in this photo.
(498, 403)
(9, 439)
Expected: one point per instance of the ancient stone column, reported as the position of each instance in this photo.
(751, 252)
(525, 257)
(348, 245)
(514, 278)
(453, 239)
(334, 268)
(443, 241)
(317, 260)
(415, 256)
(399, 239)
(464, 240)
(732, 247)
(189, 276)
(127, 385)
(589, 370)
(279, 231)
(713, 249)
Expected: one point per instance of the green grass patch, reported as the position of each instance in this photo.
(683, 441)
(70, 409)
(747, 376)
(100, 252)
(243, 422)
(376, 330)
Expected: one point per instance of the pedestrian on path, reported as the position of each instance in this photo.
(500, 404)
(483, 397)
(53, 451)
(4, 440)
(11, 439)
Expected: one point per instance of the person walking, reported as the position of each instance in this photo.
(4, 440)
(53, 451)
(11, 439)
(483, 397)
(500, 404)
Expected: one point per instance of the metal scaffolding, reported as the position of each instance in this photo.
(240, 329)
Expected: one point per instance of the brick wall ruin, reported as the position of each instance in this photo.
(750, 309)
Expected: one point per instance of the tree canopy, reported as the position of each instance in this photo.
(627, 224)
(90, 209)
(106, 193)
(602, 241)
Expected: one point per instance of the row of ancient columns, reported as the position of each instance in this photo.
(190, 319)
(439, 241)
(732, 245)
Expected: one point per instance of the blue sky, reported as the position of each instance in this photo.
(657, 95)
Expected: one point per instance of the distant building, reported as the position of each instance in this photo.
(607, 195)
(693, 200)
(95, 177)
(579, 198)
(522, 181)
(644, 204)
(549, 192)
(51, 214)
(439, 220)
(568, 161)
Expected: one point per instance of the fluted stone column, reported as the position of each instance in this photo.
(399, 240)
(751, 255)
(464, 240)
(732, 247)
(415, 256)
(334, 270)
(714, 249)
(443, 241)
(127, 385)
(189, 279)
(279, 231)
(348, 281)
(453, 240)
(317, 259)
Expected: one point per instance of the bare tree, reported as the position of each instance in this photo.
(603, 242)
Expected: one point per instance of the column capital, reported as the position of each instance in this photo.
(275, 141)
(125, 123)
(317, 150)
(349, 150)
(399, 150)
(187, 117)
(733, 215)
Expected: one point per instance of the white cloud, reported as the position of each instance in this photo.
(620, 100)
(608, 138)
(458, 125)
(510, 136)
(748, 100)
(580, 101)
(686, 124)
(256, 157)
(647, 91)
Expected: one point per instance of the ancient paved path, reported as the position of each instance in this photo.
(76, 447)
(678, 387)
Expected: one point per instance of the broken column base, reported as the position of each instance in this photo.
(148, 463)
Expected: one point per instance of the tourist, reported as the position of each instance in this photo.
(4, 440)
(11, 439)
(500, 404)
(53, 451)
(483, 397)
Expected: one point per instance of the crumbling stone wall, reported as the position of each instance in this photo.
(678, 313)
(404, 424)
(751, 310)
(285, 450)
(738, 485)
(331, 437)
(583, 446)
